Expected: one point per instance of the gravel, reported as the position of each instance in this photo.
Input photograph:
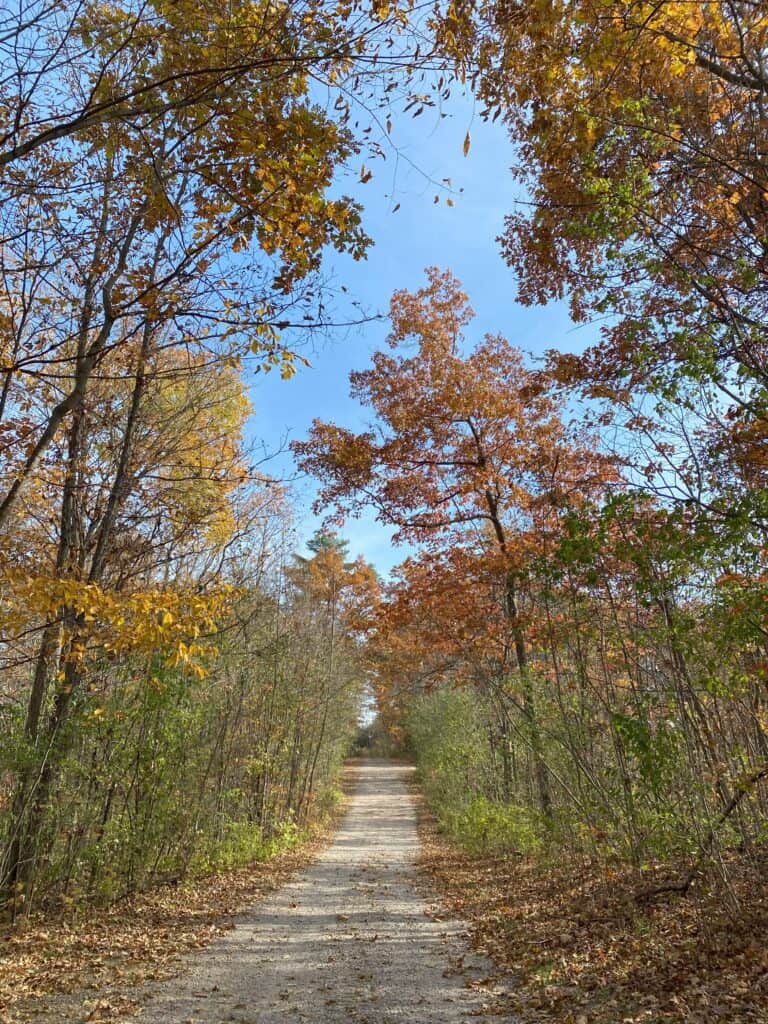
(351, 941)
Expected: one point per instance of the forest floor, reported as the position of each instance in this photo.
(86, 964)
(582, 950)
(348, 940)
(352, 931)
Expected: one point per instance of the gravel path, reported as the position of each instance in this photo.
(349, 942)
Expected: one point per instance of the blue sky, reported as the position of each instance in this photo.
(419, 234)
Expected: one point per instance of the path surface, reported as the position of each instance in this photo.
(349, 942)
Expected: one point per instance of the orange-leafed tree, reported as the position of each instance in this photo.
(333, 604)
(640, 129)
(468, 449)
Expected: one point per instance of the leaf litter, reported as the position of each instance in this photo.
(578, 948)
(87, 962)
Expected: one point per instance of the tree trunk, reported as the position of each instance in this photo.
(540, 771)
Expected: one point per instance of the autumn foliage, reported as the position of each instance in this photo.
(168, 188)
(574, 646)
(565, 647)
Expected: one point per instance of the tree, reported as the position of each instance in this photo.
(171, 165)
(468, 449)
(639, 129)
(152, 241)
(166, 178)
(333, 603)
(78, 66)
(148, 479)
(163, 770)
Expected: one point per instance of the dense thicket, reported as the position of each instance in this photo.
(577, 645)
(165, 769)
(577, 648)
(168, 185)
(577, 658)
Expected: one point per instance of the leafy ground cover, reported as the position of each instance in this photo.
(581, 950)
(86, 965)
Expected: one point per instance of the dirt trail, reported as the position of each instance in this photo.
(349, 942)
